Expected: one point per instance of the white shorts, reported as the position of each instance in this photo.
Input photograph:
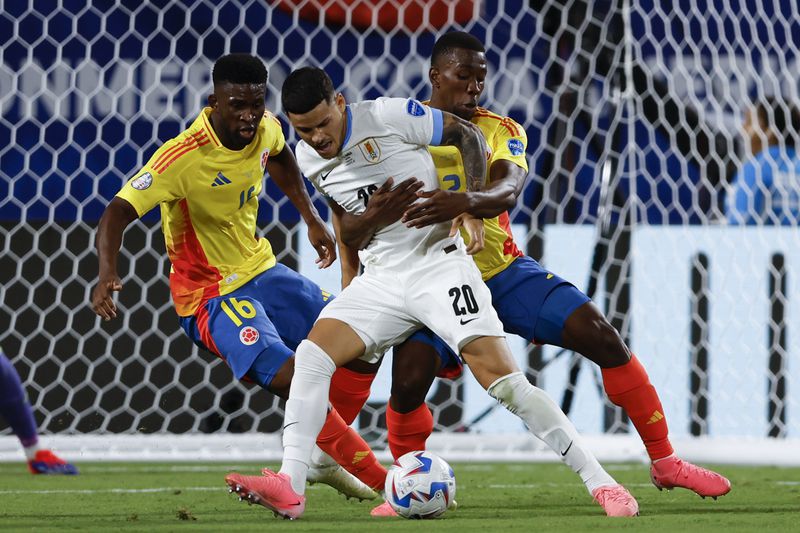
(447, 295)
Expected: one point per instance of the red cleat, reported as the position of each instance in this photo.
(46, 462)
(273, 491)
(616, 500)
(672, 472)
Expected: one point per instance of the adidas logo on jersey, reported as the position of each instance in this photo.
(657, 417)
(220, 180)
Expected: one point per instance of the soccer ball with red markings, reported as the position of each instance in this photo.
(420, 485)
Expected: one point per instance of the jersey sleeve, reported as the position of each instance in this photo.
(148, 188)
(274, 132)
(509, 143)
(413, 121)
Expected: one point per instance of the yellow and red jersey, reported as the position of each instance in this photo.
(507, 140)
(209, 203)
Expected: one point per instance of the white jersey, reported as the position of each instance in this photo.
(387, 137)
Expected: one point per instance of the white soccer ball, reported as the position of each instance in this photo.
(420, 485)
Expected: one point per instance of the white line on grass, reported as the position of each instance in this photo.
(216, 488)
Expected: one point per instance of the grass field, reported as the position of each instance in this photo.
(492, 497)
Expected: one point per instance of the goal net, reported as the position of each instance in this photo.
(644, 191)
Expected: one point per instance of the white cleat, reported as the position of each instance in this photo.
(340, 479)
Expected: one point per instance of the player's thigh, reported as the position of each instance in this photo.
(451, 299)
(239, 331)
(365, 320)
(489, 359)
(429, 350)
(532, 302)
(292, 302)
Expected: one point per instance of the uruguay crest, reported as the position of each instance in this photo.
(371, 150)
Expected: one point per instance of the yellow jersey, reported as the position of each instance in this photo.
(506, 140)
(209, 202)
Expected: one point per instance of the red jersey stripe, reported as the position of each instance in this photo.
(510, 126)
(202, 316)
(192, 272)
(186, 149)
(509, 246)
(195, 138)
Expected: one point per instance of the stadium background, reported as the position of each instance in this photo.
(632, 111)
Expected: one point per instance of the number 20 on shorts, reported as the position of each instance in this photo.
(237, 310)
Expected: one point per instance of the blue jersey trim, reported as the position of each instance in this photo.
(438, 122)
(349, 126)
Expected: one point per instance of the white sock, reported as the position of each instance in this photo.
(306, 410)
(30, 451)
(549, 423)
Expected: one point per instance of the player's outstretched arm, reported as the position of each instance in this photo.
(348, 256)
(286, 174)
(506, 180)
(385, 207)
(117, 216)
(441, 206)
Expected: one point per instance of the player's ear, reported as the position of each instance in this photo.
(433, 76)
(340, 102)
(212, 101)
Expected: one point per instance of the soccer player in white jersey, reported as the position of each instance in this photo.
(412, 278)
(530, 301)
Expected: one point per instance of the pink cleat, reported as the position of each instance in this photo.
(616, 500)
(273, 491)
(672, 472)
(382, 510)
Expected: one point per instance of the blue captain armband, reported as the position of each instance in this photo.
(438, 122)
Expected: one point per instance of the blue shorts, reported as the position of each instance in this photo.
(530, 301)
(261, 322)
(450, 364)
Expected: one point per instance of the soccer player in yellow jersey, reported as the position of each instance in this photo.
(530, 301)
(232, 297)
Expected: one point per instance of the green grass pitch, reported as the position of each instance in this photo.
(492, 497)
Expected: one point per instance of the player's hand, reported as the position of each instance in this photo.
(475, 231)
(324, 243)
(102, 297)
(388, 203)
(439, 206)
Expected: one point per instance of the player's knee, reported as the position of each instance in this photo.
(489, 359)
(282, 380)
(606, 346)
(409, 391)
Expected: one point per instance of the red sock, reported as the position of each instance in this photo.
(347, 448)
(349, 392)
(629, 387)
(408, 432)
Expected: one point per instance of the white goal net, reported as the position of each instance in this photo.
(644, 191)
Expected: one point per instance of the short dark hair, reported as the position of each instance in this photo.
(454, 40)
(304, 89)
(239, 68)
(781, 117)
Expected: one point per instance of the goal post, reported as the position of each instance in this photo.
(634, 114)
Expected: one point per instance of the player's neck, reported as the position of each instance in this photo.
(436, 104)
(223, 137)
